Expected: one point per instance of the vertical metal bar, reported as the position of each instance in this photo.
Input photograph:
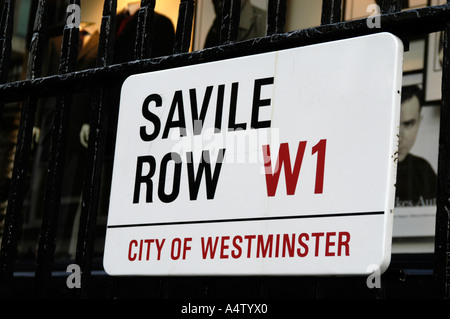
(6, 30)
(95, 154)
(107, 36)
(391, 6)
(231, 14)
(442, 232)
(184, 26)
(38, 41)
(276, 16)
(52, 199)
(331, 11)
(144, 34)
(13, 219)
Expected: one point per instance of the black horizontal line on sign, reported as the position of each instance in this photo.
(210, 221)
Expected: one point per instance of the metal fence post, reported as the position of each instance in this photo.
(442, 236)
(13, 220)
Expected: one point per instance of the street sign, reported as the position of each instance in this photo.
(280, 163)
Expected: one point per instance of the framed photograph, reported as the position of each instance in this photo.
(414, 57)
(433, 73)
(358, 9)
(207, 22)
(416, 187)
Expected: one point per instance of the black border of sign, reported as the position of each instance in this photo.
(246, 219)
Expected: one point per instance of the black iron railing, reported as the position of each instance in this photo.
(404, 24)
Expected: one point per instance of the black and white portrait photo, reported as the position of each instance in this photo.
(416, 186)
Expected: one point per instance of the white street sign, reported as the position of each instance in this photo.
(281, 163)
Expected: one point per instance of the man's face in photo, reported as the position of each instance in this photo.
(409, 126)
